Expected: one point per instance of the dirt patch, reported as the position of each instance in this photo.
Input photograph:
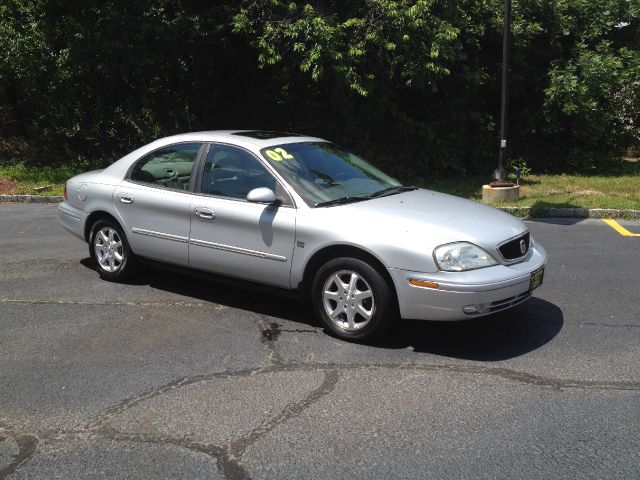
(7, 186)
(554, 191)
(588, 192)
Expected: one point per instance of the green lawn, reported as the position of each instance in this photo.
(620, 189)
(29, 178)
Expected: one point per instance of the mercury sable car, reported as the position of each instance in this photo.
(302, 214)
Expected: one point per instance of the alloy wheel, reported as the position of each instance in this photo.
(348, 300)
(108, 248)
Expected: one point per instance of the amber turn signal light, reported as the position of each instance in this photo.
(422, 283)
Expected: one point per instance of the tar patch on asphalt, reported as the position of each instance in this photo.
(271, 333)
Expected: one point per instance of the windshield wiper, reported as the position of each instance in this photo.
(359, 198)
(341, 201)
(392, 191)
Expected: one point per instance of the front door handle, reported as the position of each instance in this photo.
(204, 213)
(126, 198)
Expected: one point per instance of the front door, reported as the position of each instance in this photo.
(234, 237)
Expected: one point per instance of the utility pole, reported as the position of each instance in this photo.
(499, 188)
(504, 103)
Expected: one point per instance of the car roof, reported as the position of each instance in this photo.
(246, 138)
(250, 139)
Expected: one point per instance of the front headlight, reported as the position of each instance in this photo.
(461, 256)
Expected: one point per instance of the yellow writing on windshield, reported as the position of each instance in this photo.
(278, 154)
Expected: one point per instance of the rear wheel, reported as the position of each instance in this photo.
(109, 250)
(352, 299)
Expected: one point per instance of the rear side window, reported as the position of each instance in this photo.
(168, 167)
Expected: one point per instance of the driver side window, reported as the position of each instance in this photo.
(232, 172)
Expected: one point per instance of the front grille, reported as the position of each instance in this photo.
(513, 249)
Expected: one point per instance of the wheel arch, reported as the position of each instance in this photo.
(94, 217)
(325, 254)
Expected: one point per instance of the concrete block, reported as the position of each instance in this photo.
(494, 194)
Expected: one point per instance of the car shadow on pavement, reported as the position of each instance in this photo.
(496, 337)
(206, 288)
(557, 220)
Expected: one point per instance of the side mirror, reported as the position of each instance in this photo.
(262, 195)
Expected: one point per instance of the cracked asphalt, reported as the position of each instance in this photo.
(175, 377)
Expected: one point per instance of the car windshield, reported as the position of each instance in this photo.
(324, 174)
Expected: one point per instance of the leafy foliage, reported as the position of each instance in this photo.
(410, 84)
(362, 43)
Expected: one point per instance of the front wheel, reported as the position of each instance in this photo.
(352, 299)
(109, 249)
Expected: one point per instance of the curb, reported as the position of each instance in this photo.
(31, 199)
(572, 212)
(522, 212)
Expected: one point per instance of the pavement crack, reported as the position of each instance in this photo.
(49, 265)
(225, 462)
(131, 402)
(298, 330)
(16, 301)
(611, 325)
(328, 385)
(27, 447)
(184, 442)
(517, 376)
(278, 366)
(524, 378)
(228, 458)
(552, 383)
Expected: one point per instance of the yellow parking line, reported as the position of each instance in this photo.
(619, 228)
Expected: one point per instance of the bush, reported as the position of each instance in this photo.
(412, 85)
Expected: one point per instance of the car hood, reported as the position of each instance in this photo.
(435, 218)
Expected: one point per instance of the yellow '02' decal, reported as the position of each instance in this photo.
(278, 154)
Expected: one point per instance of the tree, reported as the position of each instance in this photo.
(411, 84)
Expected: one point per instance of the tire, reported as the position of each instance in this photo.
(372, 308)
(110, 252)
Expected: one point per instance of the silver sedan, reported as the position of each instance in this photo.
(301, 214)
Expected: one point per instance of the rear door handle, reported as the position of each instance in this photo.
(204, 213)
(126, 198)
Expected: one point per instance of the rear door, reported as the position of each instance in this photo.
(154, 202)
(232, 236)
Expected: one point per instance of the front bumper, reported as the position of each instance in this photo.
(493, 288)
(72, 219)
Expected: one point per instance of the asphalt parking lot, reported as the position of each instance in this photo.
(175, 377)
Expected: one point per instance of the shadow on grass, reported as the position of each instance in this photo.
(524, 181)
(617, 167)
(497, 337)
(463, 186)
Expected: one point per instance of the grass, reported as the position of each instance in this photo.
(619, 189)
(29, 178)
